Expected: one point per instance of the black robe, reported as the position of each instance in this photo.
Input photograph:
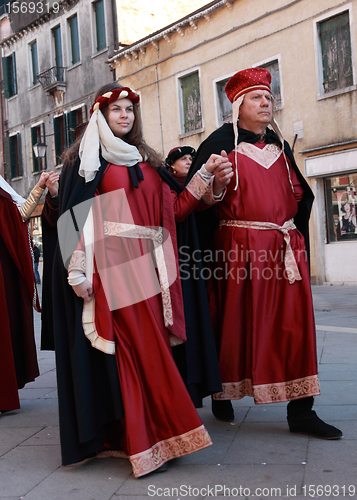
(88, 383)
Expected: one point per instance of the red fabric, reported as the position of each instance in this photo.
(156, 404)
(16, 289)
(247, 80)
(9, 398)
(265, 326)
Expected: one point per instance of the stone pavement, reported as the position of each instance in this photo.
(253, 457)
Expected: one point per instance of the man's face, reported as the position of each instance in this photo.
(256, 111)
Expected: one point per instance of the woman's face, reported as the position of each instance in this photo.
(347, 207)
(120, 117)
(182, 165)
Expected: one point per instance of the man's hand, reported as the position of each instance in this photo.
(52, 183)
(222, 174)
(84, 291)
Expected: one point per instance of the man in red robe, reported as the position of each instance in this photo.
(261, 301)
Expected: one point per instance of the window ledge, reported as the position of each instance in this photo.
(79, 63)
(16, 178)
(336, 92)
(100, 52)
(12, 97)
(60, 165)
(35, 86)
(192, 132)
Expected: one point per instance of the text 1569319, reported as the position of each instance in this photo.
(32, 7)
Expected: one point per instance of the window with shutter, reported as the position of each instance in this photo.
(74, 37)
(224, 104)
(13, 156)
(74, 119)
(99, 27)
(9, 75)
(273, 68)
(34, 62)
(60, 137)
(190, 103)
(336, 55)
(57, 52)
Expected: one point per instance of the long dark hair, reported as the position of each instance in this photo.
(134, 137)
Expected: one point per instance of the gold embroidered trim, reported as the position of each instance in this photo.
(272, 393)
(156, 235)
(197, 186)
(78, 261)
(178, 446)
(291, 267)
(266, 157)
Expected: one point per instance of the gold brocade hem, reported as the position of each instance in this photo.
(272, 393)
(178, 446)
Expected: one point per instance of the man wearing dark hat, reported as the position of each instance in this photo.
(261, 296)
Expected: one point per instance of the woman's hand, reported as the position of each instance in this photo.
(52, 183)
(215, 161)
(84, 291)
(42, 182)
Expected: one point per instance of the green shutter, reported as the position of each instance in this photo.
(19, 155)
(14, 79)
(72, 123)
(7, 168)
(34, 61)
(13, 156)
(73, 22)
(43, 139)
(56, 32)
(100, 25)
(58, 140)
(7, 83)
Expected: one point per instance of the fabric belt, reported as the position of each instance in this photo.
(291, 267)
(123, 230)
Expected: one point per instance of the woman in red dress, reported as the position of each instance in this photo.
(124, 274)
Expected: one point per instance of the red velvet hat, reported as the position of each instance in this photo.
(246, 81)
(114, 95)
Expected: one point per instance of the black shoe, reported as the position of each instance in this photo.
(310, 423)
(222, 409)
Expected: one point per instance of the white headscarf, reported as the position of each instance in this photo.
(99, 139)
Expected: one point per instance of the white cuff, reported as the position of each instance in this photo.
(204, 174)
(76, 277)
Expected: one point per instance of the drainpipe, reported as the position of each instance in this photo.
(158, 105)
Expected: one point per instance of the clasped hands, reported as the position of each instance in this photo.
(221, 167)
(49, 179)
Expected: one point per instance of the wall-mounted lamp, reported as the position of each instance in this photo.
(39, 149)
